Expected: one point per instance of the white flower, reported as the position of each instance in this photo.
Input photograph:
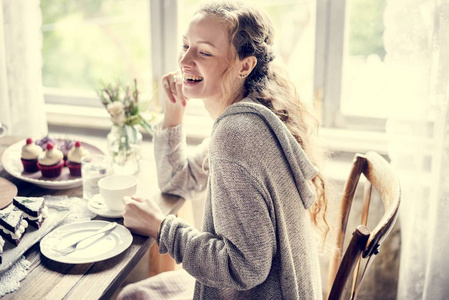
(119, 119)
(115, 109)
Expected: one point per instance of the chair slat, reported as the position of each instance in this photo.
(358, 165)
(352, 253)
(364, 243)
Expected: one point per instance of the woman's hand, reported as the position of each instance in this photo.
(175, 101)
(142, 216)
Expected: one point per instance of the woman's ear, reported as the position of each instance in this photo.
(247, 65)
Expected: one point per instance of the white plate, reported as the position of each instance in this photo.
(97, 206)
(32, 235)
(13, 165)
(94, 249)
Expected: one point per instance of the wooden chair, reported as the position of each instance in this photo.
(364, 243)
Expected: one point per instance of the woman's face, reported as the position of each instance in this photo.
(205, 57)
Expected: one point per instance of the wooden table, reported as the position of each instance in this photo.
(48, 279)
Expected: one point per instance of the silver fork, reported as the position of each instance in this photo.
(72, 247)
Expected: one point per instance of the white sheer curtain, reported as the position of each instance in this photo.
(21, 93)
(417, 43)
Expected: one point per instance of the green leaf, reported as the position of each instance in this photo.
(27, 201)
(145, 125)
(131, 132)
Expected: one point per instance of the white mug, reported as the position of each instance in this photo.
(114, 188)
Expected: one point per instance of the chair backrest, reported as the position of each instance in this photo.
(364, 243)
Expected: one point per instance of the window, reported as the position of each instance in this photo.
(351, 78)
(86, 42)
(332, 49)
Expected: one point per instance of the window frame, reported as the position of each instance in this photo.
(164, 30)
(329, 53)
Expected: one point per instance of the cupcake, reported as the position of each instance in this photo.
(74, 158)
(30, 153)
(50, 162)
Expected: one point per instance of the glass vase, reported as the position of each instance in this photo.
(124, 143)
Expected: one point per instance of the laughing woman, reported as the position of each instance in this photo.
(265, 193)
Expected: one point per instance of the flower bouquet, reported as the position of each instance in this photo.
(126, 108)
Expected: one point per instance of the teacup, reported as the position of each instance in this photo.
(114, 188)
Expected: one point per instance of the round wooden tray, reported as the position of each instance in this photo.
(8, 190)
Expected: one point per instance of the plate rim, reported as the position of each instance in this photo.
(62, 184)
(114, 252)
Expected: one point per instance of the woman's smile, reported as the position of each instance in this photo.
(191, 80)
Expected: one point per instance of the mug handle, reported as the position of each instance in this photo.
(3, 130)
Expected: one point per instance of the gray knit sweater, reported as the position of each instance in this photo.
(257, 239)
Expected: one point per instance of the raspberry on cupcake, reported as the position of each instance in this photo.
(50, 162)
(30, 153)
(44, 141)
(74, 158)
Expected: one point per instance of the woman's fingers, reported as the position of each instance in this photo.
(126, 199)
(134, 197)
(169, 87)
(172, 81)
(142, 215)
(178, 85)
(172, 84)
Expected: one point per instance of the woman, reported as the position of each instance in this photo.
(258, 168)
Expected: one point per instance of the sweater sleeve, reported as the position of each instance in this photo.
(239, 253)
(178, 173)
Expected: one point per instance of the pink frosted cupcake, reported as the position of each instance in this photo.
(30, 153)
(74, 158)
(50, 162)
